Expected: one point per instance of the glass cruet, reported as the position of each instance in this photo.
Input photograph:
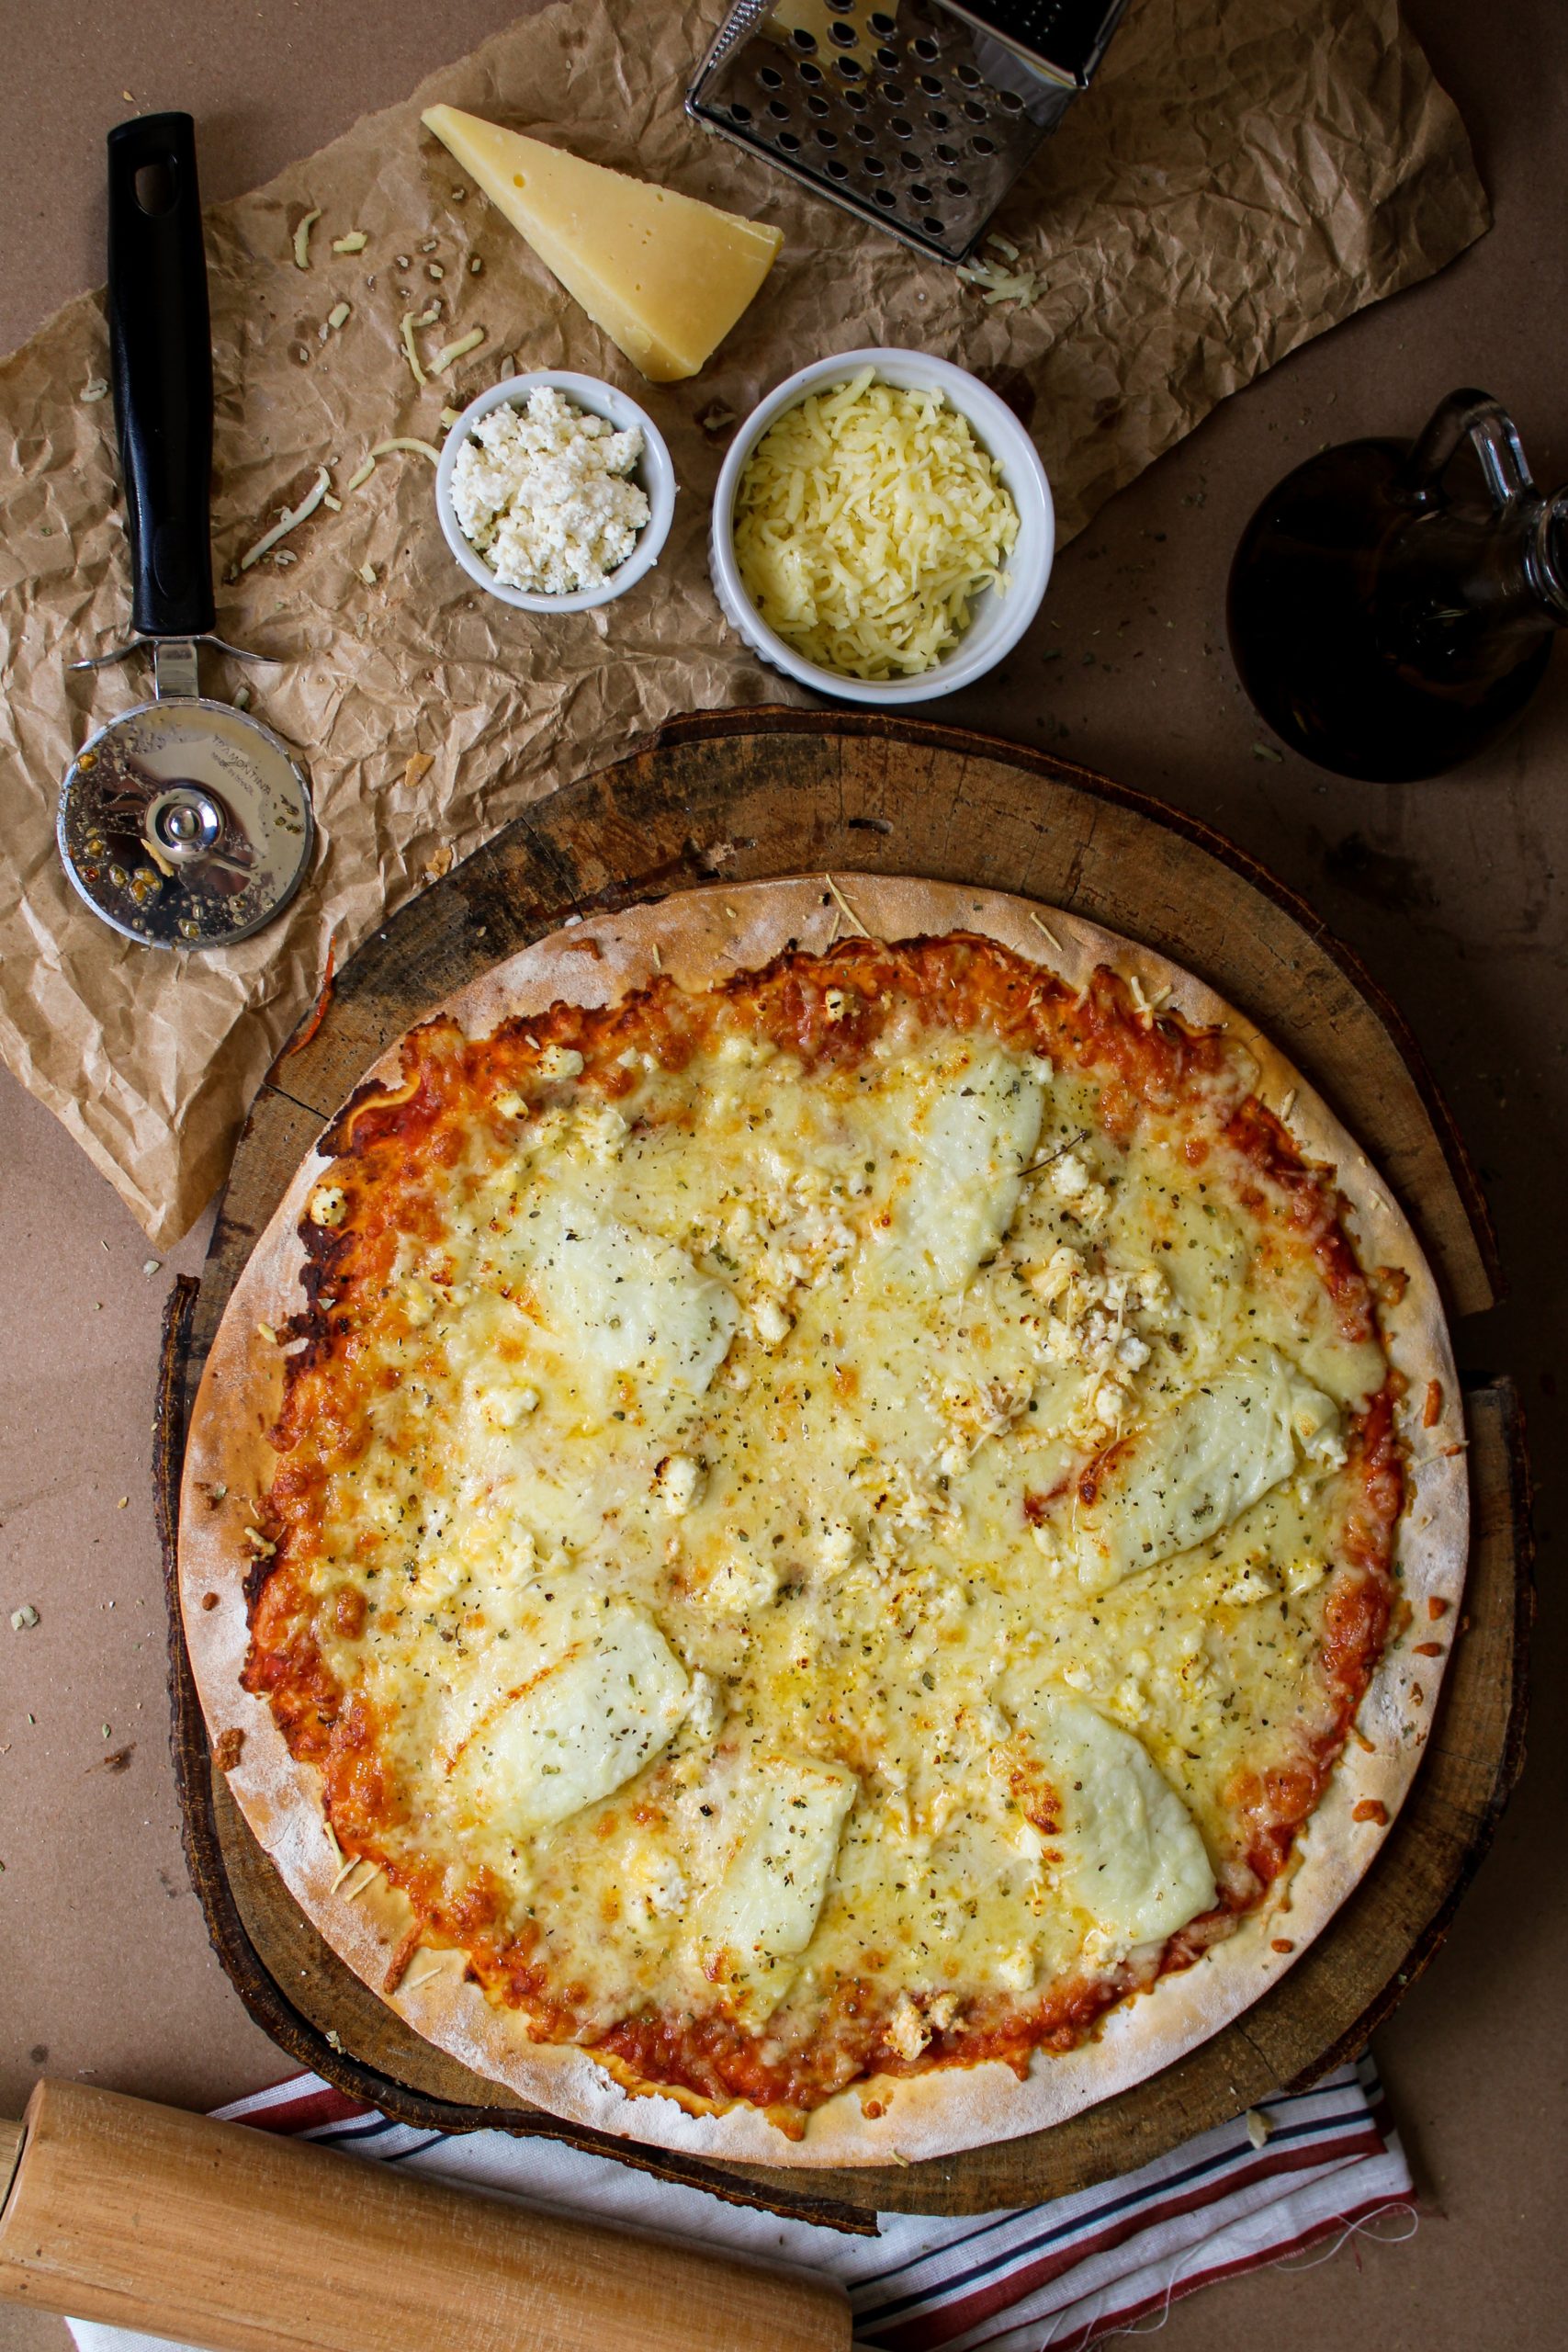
(1388, 621)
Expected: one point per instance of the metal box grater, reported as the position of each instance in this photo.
(915, 114)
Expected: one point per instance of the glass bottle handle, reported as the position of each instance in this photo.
(1487, 424)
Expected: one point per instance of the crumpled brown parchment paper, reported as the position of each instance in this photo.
(1242, 176)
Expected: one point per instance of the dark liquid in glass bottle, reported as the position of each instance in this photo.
(1382, 627)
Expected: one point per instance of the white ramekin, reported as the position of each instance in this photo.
(654, 471)
(998, 620)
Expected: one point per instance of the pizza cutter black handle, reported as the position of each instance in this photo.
(161, 355)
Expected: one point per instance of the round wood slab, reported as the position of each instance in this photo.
(730, 797)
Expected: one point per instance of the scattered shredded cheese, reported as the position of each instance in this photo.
(410, 320)
(845, 907)
(303, 239)
(335, 504)
(95, 389)
(999, 285)
(403, 441)
(452, 352)
(361, 474)
(292, 516)
(367, 573)
(354, 243)
(337, 315)
(868, 519)
(434, 1961)
(1050, 935)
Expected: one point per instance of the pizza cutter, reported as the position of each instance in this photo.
(184, 822)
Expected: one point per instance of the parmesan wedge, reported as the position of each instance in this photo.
(665, 276)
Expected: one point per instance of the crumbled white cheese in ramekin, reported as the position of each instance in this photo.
(541, 491)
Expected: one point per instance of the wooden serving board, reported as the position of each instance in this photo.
(733, 797)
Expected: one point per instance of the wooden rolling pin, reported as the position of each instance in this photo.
(241, 2241)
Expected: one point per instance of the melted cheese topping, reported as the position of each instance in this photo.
(856, 1525)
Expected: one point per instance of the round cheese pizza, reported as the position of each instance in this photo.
(826, 1525)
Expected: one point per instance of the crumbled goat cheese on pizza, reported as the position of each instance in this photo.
(852, 1520)
(543, 493)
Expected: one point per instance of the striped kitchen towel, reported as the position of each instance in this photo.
(1306, 2167)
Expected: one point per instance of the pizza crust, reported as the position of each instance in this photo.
(699, 938)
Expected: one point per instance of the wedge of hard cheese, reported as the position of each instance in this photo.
(665, 276)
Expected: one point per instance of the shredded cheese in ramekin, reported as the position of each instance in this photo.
(867, 521)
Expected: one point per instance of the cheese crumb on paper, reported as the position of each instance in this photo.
(303, 239)
(291, 518)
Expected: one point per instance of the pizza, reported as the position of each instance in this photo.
(826, 1523)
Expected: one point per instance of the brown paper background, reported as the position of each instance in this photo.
(1243, 175)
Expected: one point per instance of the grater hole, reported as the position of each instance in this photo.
(976, 113)
(892, 92)
(931, 85)
(810, 73)
(780, 113)
(791, 146)
(967, 75)
(955, 187)
(884, 197)
(920, 193)
(985, 146)
(864, 132)
(876, 167)
(881, 24)
(737, 113)
(770, 77)
(910, 161)
(827, 138)
(855, 101)
(900, 128)
(1012, 102)
(943, 154)
(923, 47)
(805, 41)
(841, 35)
(888, 59)
(932, 226)
(835, 170)
(938, 121)
(818, 106)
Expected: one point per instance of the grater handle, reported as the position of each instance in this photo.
(161, 358)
